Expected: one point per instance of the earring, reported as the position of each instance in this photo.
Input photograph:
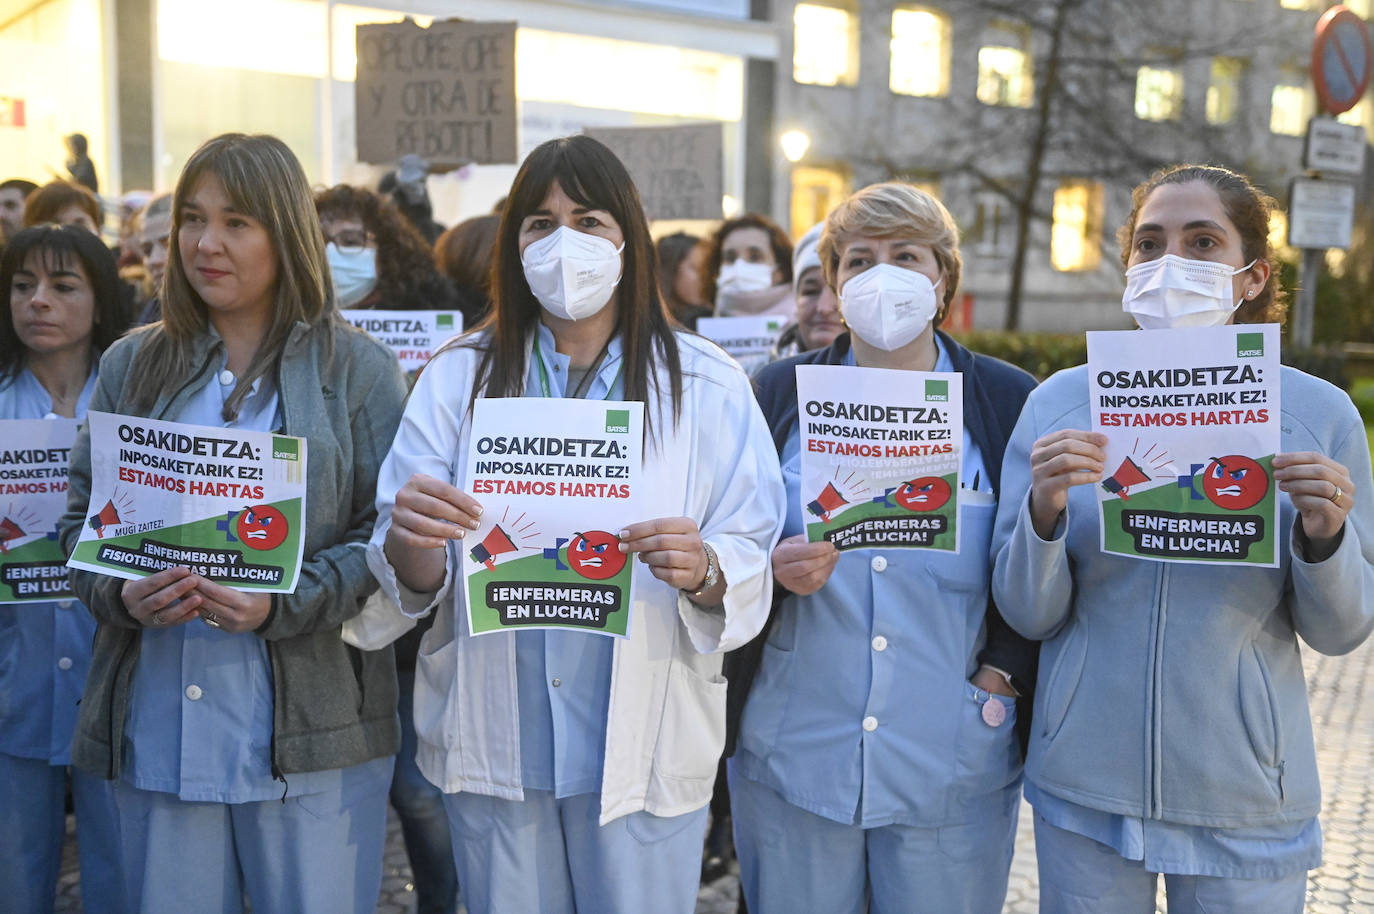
(1250, 294)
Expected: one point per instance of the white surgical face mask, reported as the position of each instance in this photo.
(742, 276)
(888, 306)
(1173, 291)
(572, 273)
(354, 273)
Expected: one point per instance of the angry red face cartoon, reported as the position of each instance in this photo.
(924, 494)
(262, 527)
(1234, 482)
(596, 555)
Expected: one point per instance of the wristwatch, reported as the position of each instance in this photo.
(712, 573)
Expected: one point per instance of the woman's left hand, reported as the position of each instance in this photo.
(671, 547)
(232, 610)
(1321, 490)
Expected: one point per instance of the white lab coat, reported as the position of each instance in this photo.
(666, 715)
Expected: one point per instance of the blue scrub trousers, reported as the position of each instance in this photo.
(33, 824)
(315, 854)
(424, 823)
(549, 856)
(1081, 876)
(792, 860)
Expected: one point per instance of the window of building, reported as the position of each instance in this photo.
(1359, 7)
(825, 45)
(1298, 4)
(1291, 103)
(1158, 94)
(1224, 89)
(993, 226)
(920, 52)
(1004, 66)
(1075, 237)
(816, 190)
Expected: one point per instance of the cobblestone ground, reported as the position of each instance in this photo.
(1341, 690)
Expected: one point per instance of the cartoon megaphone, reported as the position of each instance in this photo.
(829, 499)
(108, 516)
(496, 543)
(8, 530)
(1127, 475)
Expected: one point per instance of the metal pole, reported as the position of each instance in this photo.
(1304, 308)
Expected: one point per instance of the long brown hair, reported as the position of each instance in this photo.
(591, 175)
(263, 179)
(1248, 208)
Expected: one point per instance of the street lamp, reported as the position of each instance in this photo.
(794, 144)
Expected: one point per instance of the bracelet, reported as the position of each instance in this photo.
(712, 573)
(1004, 674)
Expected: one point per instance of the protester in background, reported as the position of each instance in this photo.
(749, 268)
(13, 193)
(878, 765)
(577, 767)
(79, 164)
(406, 188)
(376, 258)
(680, 257)
(1172, 728)
(818, 311)
(127, 254)
(65, 204)
(153, 229)
(269, 778)
(464, 254)
(61, 308)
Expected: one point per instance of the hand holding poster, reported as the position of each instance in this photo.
(1192, 424)
(548, 553)
(228, 504)
(749, 340)
(33, 480)
(880, 456)
(412, 335)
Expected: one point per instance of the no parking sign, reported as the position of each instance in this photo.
(1340, 59)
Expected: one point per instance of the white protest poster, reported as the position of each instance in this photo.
(412, 335)
(228, 504)
(33, 496)
(749, 339)
(553, 503)
(880, 456)
(1192, 424)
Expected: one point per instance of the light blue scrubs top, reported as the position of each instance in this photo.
(45, 648)
(563, 679)
(200, 716)
(861, 711)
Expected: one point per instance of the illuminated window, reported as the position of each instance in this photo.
(920, 52)
(1075, 235)
(1298, 4)
(1359, 7)
(1158, 94)
(1291, 103)
(815, 192)
(1004, 66)
(993, 232)
(1223, 90)
(825, 45)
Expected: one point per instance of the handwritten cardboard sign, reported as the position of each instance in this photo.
(679, 170)
(446, 92)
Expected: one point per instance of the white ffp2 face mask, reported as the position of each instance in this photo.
(888, 306)
(571, 273)
(742, 276)
(1173, 291)
(354, 273)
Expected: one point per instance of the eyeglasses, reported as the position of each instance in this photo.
(350, 241)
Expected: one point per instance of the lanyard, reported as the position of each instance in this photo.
(544, 374)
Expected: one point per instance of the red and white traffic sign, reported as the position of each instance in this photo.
(1340, 59)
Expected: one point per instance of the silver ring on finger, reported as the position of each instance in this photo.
(210, 619)
(156, 618)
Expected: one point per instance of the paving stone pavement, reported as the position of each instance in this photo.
(1341, 691)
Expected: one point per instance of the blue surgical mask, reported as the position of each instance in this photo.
(354, 272)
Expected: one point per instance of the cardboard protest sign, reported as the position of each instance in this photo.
(679, 171)
(750, 339)
(33, 496)
(446, 93)
(554, 500)
(1192, 424)
(880, 456)
(228, 504)
(412, 335)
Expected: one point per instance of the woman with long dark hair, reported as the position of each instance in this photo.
(60, 310)
(579, 779)
(250, 747)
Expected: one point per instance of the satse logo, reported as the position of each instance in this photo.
(617, 421)
(937, 390)
(1249, 345)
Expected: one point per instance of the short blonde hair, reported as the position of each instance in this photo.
(894, 210)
